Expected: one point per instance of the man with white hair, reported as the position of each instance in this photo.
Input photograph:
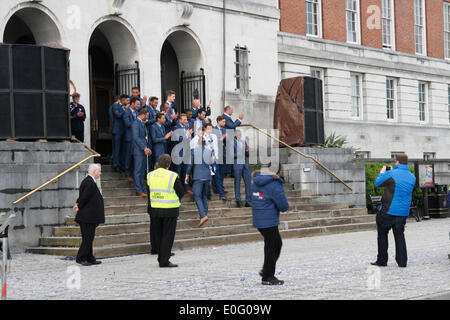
(90, 213)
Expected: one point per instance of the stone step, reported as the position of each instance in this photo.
(108, 251)
(131, 192)
(142, 208)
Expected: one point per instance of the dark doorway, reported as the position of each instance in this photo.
(170, 73)
(101, 69)
(18, 32)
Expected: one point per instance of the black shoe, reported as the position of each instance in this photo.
(153, 252)
(239, 204)
(86, 263)
(170, 265)
(80, 261)
(209, 198)
(272, 281)
(378, 264)
(172, 254)
(248, 205)
(95, 262)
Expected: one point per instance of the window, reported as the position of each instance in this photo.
(390, 98)
(447, 29)
(419, 26)
(313, 18)
(242, 77)
(449, 103)
(352, 17)
(362, 154)
(320, 74)
(429, 156)
(422, 101)
(388, 23)
(355, 95)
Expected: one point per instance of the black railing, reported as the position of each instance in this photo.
(192, 86)
(126, 78)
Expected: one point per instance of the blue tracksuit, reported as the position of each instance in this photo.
(399, 184)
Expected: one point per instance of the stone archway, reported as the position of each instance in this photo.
(112, 47)
(181, 54)
(31, 26)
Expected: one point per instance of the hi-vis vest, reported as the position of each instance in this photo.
(162, 193)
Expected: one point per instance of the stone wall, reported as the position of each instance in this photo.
(306, 174)
(25, 166)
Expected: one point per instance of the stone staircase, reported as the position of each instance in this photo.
(126, 229)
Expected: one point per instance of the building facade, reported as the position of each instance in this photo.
(385, 66)
(157, 45)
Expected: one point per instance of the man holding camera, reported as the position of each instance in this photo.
(398, 184)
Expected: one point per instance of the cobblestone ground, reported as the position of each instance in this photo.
(325, 267)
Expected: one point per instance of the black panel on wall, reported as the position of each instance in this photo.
(309, 92)
(57, 122)
(28, 116)
(5, 115)
(27, 67)
(55, 69)
(313, 111)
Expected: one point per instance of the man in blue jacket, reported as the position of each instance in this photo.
(128, 118)
(159, 136)
(268, 200)
(398, 186)
(77, 117)
(182, 133)
(141, 150)
(230, 125)
(118, 130)
(241, 170)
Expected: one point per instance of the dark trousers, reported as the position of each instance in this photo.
(384, 223)
(140, 171)
(79, 135)
(85, 253)
(128, 158)
(272, 249)
(118, 152)
(164, 229)
(153, 240)
(200, 190)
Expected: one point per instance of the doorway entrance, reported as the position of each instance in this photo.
(113, 70)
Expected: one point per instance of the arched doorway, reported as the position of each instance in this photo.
(182, 68)
(113, 70)
(31, 26)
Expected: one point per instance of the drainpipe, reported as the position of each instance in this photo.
(224, 51)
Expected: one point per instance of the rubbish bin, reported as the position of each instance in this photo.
(437, 202)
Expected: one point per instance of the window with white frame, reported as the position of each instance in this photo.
(449, 103)
(422, 101)
(355, 95)
(388, 23)
(447, 29)
(352, 17)
(419, 26)
(313, 18)
(390, 98)
(242, 66)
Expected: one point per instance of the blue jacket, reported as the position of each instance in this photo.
(77, 123)
(398, 186)
(195, 112)
(139, 133)
(240, 158)
(158, 141)
(268, 200)
(117, 123)
(230, 124)
(128, 119)
(201, 159)
(180, 139)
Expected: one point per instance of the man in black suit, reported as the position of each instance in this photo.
(90, 213)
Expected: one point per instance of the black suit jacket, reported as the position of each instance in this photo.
(90, 203)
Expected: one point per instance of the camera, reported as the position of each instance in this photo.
(388, 168)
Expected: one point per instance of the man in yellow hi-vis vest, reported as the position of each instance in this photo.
(165, 193)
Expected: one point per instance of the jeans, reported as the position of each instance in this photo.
(128, 157)
(140, 170)
(384, 223)
(200, 190)
(242, 170)
(117, 153)
(272, 250)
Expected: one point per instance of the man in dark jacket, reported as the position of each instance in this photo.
(398, 186)
(90, 213)
(165, 193)
(77, 117)
(268, 200)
